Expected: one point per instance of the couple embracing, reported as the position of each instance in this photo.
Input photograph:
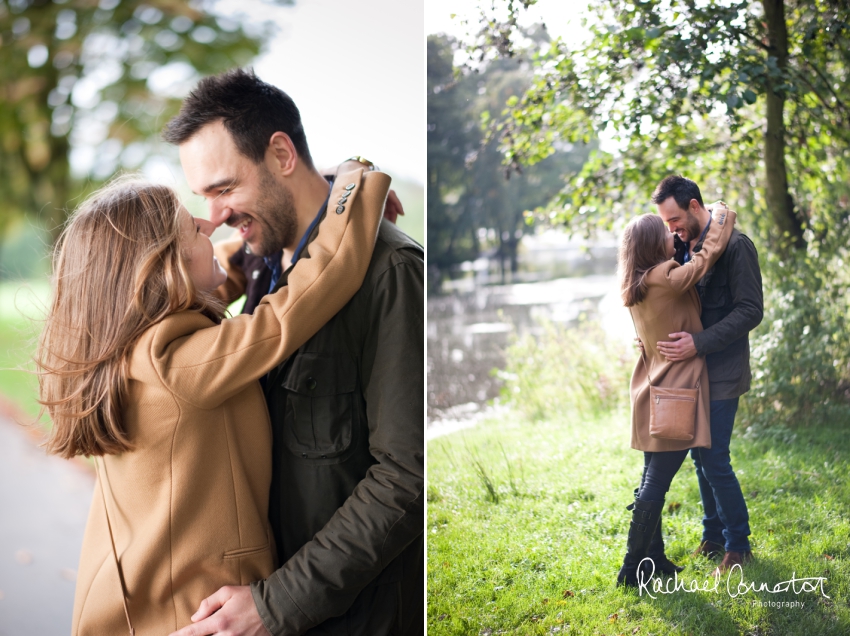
(694, 292)
(256, 474)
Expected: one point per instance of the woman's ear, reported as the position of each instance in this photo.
(284, 157)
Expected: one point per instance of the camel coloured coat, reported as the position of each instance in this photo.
(672, 304)
(189, 505)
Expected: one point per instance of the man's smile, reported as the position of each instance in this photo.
(242, 222)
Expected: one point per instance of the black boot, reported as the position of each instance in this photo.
(656, 548)
(656, 553)
(645, 516)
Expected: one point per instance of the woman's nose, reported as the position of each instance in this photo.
(206, 227)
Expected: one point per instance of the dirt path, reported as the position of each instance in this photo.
(44, 502)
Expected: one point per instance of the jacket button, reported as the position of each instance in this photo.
(304, 455)
(324, 456)
(311, 383)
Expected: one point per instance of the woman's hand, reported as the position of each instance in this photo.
(393, 208)
(719, 212)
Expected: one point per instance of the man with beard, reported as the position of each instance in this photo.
(732, 306)
(346, 505)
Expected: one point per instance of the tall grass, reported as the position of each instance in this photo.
(581, 370)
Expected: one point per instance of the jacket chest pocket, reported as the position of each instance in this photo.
(714, 290)
(320, 406)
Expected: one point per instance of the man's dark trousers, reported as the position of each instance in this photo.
(726, 520)
(732, 305)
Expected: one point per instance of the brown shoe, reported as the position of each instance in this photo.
(731, 559)
(709, 549)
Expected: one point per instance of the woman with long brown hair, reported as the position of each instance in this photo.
(662, 300)
(140, 370)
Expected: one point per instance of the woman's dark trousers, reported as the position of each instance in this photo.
(645, 530)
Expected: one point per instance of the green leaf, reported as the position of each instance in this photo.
(732, 100)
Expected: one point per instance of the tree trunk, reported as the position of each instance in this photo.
(779, 202)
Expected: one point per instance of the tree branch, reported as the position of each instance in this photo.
(822, 99)
(825, 80)
(751, 37)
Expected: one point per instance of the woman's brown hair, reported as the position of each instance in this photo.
(118, 270)
(643, 246)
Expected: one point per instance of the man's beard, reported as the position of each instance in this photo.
(275, 211)
(692, 227)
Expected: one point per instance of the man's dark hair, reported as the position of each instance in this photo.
(678, 187)
(251, 111)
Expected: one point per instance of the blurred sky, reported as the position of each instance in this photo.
(356, 70)
(562, 17)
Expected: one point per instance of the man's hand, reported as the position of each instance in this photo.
(681, 347)
(229, 612)
(393, 208)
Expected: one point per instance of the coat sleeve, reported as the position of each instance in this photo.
(385, 512)
(206, 366)
(747, 300)
(682, 278)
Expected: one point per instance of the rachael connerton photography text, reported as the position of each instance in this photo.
(735, 586)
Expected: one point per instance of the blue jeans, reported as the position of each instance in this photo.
(726, 519)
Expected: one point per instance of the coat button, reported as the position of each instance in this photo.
(304, 455)
(324, 456)
(311, 383)
(340, 209)
(351, 186)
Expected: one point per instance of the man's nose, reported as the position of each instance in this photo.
(219, 213)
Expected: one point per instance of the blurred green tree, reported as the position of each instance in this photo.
(751, 99)
(452, 135)
(472, 203)
(86, 86)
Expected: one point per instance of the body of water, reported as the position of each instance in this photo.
(472, 322)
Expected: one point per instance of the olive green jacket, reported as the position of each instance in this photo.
(347, 505)
(347, 501)
(732, 306)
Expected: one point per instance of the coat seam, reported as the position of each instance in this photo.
(88, 590)
(170, 479)
(233, 485)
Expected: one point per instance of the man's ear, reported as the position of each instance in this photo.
(283, 154)
(694, 207)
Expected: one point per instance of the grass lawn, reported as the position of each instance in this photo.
(22, 305)
(527, 529)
